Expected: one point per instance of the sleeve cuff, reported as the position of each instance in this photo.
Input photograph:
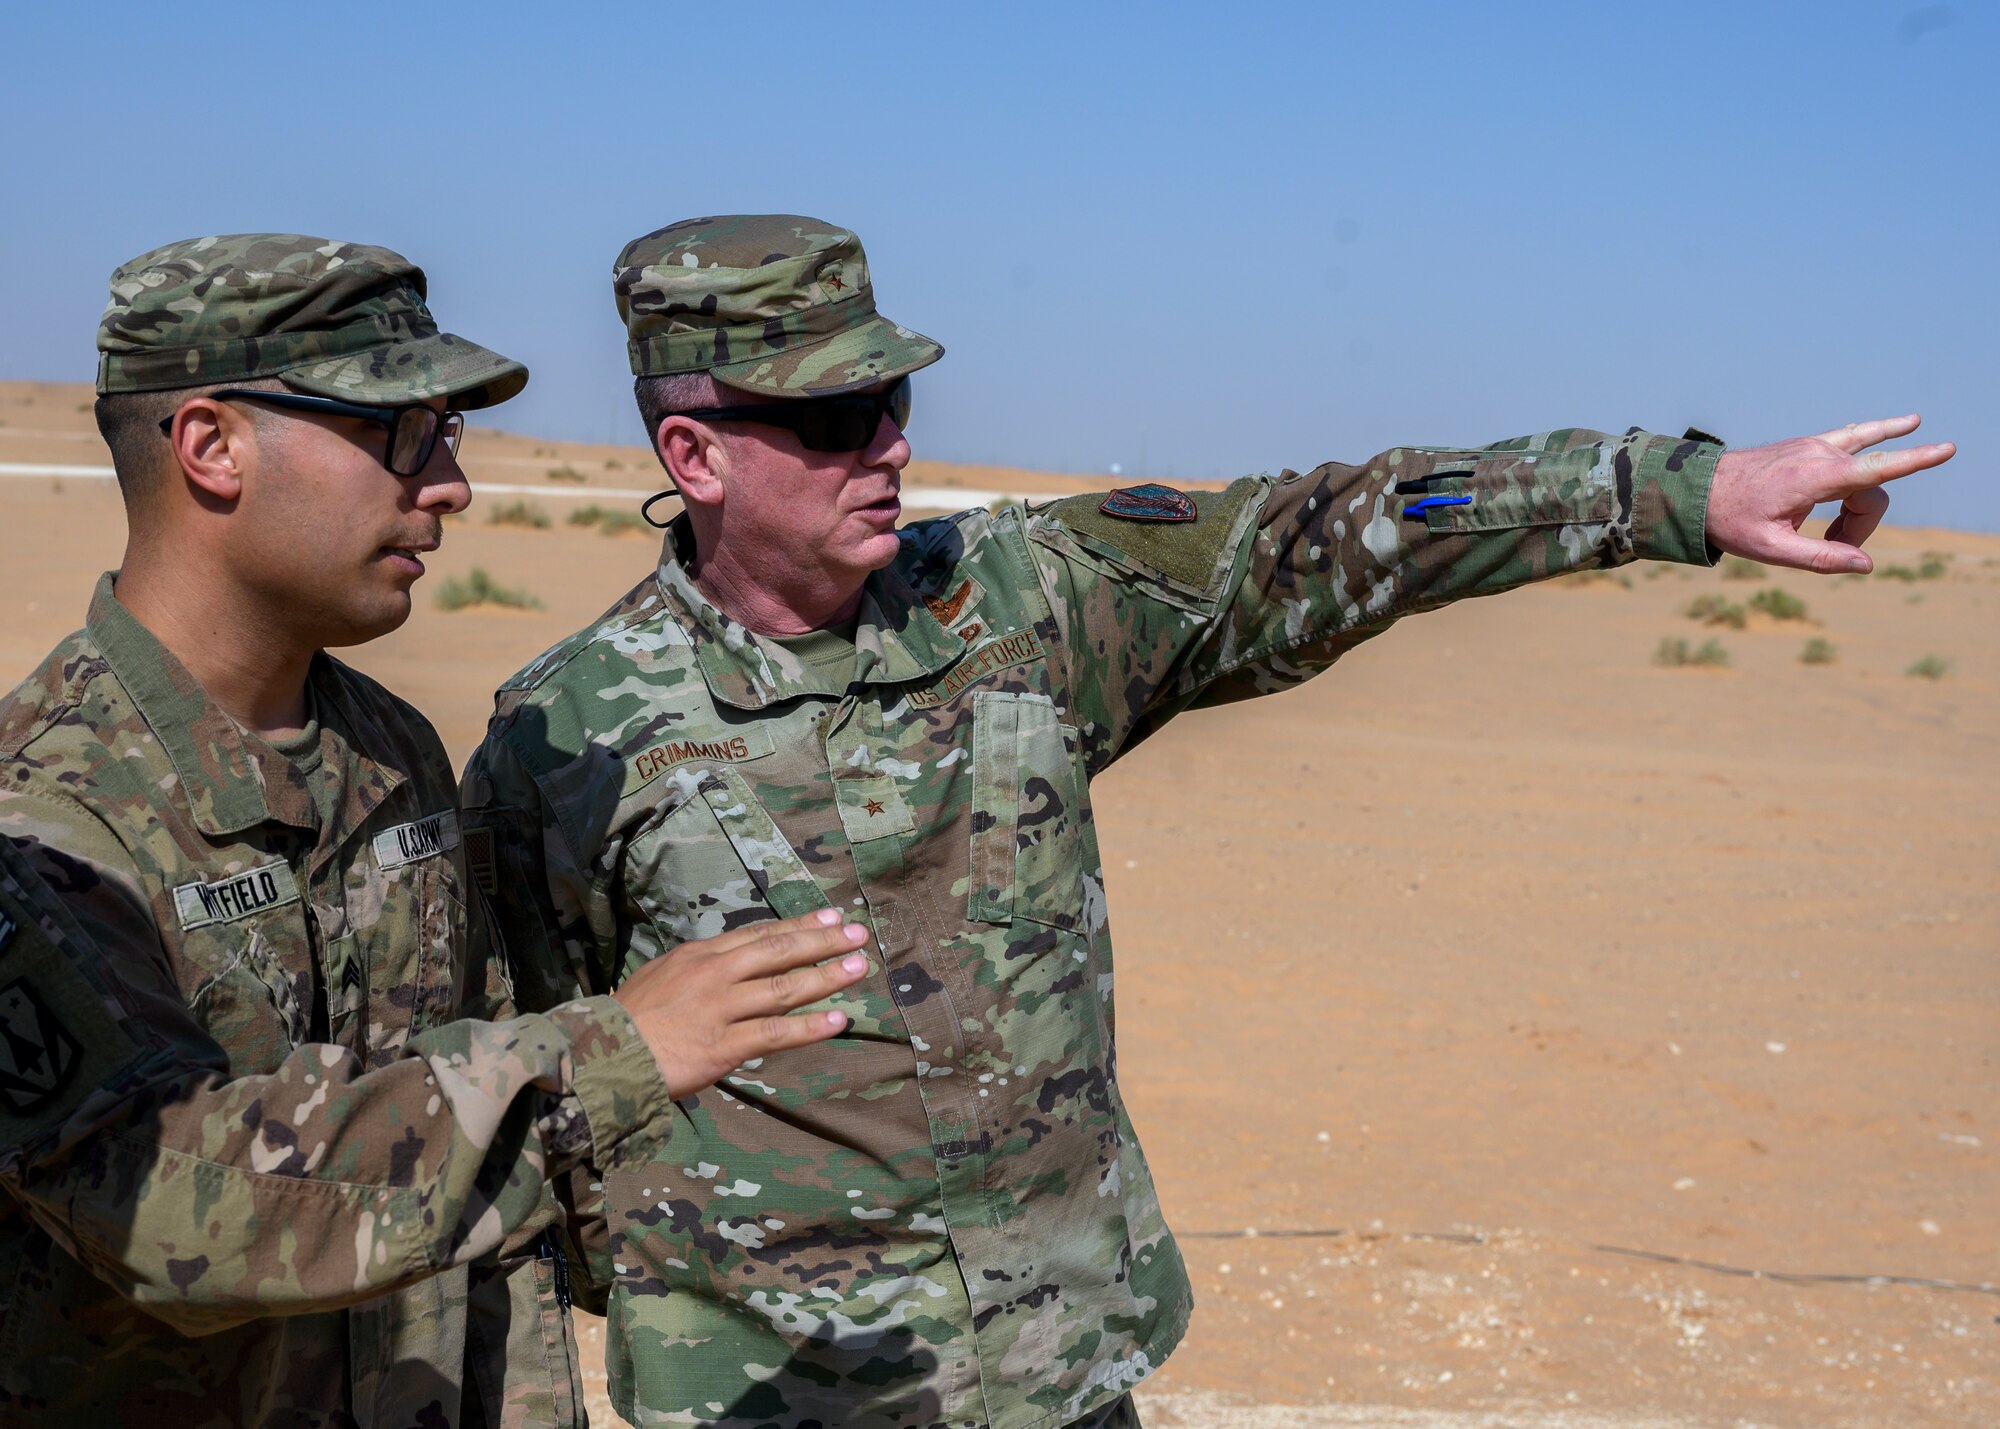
(1670, 501)
(616, 1079)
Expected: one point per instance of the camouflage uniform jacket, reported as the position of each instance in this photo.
(942, 1216)
(234, 1097)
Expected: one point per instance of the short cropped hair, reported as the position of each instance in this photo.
(660, 397)
(129, 422)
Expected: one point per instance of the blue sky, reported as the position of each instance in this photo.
(1192, 240)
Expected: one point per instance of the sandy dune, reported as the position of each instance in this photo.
(1495, 945)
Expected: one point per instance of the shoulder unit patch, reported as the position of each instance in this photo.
(1150, 502)
(38, 1054)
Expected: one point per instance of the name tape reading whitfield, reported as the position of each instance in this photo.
(1015, 649)
(239, 896)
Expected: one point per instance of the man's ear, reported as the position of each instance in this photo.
(693, 458)
(214, 445)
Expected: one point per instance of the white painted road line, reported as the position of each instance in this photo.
(926, 498)
(88, 473)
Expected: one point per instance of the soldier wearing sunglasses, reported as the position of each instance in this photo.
(942, 1217)
(257, 1168)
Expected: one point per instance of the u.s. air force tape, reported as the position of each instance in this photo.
(240, 895)
(420, 838)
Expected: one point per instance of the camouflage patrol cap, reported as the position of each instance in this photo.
(335, 319)
(763, 302)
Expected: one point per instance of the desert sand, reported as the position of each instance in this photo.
(1459, 978)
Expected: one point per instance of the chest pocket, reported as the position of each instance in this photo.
(398, 964)
(1027, 814)
(690, 884)
(441, 956)
(247, 975)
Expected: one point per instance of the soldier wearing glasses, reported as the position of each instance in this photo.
(943, 1216)
(257, 1171)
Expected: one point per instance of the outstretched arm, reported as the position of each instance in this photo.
(1267, 583)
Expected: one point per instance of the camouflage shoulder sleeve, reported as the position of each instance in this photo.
(69, 1038)
(546, 906)
(208, 1200)
(542, 893)
(1170, 600)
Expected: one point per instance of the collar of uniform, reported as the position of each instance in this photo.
(231, 779)
(897, 639)
(347, 727)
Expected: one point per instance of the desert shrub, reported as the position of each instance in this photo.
(617, 523)
(1713, 609)
(1931, 567)
(479, 588)
(1673, 653)
(1597, 577)
(613, 464)
(1818, 651)
(608, 519)
(1931, 667)
(519, 513)
(565, 473)
(1778, 603)
(1741, 568)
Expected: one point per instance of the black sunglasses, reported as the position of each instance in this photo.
(413, 431)
(824, 424)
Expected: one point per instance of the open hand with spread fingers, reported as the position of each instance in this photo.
(708, 1007)
(1762, 495)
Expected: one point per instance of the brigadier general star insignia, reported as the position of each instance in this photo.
(37, 1053)
(1151, 502)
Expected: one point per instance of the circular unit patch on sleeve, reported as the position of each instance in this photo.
(1151, 502)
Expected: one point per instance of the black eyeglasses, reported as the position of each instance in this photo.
(413, 431)
(824, 424)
